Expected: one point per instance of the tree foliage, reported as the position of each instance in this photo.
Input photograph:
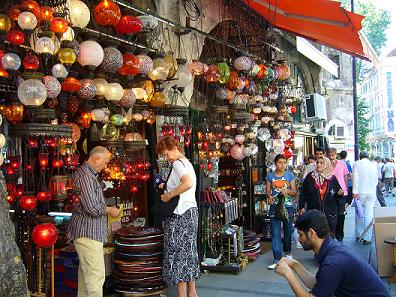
(363, 124)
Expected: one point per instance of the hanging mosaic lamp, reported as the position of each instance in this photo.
(27, 20)
(16, 37)
(46, 14)
(71, 84)
(145, 64)
(158, 100)
(14, 113)
(101, 86)
(114, 92)
(59, 71)
(285, 70)
(88, 89)
(224, 72)
(107, 13)
(233, 81)
(243, 63)
(31, 62)
(28, 202)
(197, 68)
(117, 120)
(45, 45)
(160, 71)
(79, 13)
(32, 6)
(45, 235)
(11, 61)
(59, 25)
(13, 12)
(262, 73)
(128, 25)
(212, 75)
(91, 54)
(128, 99)
(130, 65)
(112, 60)
(171, 64)
(32, 92)
(67, 56)
(52, 86)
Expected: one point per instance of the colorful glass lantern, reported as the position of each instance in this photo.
(128, 25)
(145, 64)
(88, 89)
(28, 203)
(262, 73)
(2, 140)
(212, 75)
(285, 69)
(148, 87)
(46, 14)
(3, 72)
(243, 63)
(44, 196)
(117, 120)
(112, 60)
(59, 25)
(237, 152)
(149, 22)
(128, 99)
(32, 92)
(91, 54)
(57, 163)
(197, 68)
(100, 115)
(101, 86)
(76, 132)
(66, 56)
(160, 71)
(71, 84)
(5, 23)
(171, 65)
(79, 13)
(107, 13)
(32, 6)
(86, 119)
(45, 235)
(31, 62)
(130, 65)
(14, 11)
(233, 81)
(158, 100)
(14, 113)
(114, 92)
(11, 61)
(27, 20)
(45, 45)
(224, 71)
(68, 36)
(288, 153)
(52, 85)
(59, 71)
(140, 93)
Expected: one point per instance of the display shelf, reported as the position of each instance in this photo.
(37, 129)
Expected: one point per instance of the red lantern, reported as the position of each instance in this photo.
(147, 165)
(262, 73)
(14, 162)
(10, 170)
(45, 235)
(128, 25)
(32, 143)
(134, 189)
(71, 84)
(288, 153)
(28, 203)
(19, 190)
(130, 65)
(189, 130)
(219, 136)
(289, 143)
(86, 119)
(3, 72)
(145, 177)
(210, 166)
(44, 196)
(32, 6)
(10, 199)
(205, 145)
(107, 13)
(43, 160)
(31, 62)
(57, 163)
(293, 109)
(14, 11)
(16, 37)
(59, 25)
(46, 14)
(187, 141)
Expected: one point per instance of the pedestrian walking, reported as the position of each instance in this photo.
(380, 195)
(389, 175)
(365, 180)
(281, 183)
(311, 166)
(321, 191)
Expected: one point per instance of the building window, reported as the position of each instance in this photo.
(336, 60)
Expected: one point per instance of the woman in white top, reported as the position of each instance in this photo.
(181, 263)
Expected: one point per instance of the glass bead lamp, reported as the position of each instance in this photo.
(79, 13)
(66, 56)
(224, 71)
(45, 45)
(27, 20)
(128, 25)
(32, 6)
(243, 63)
(52, 86)
(59, 71)
(59, 25)
(112, 60)
(5, 23)
(46, 14)
(101, 86)
(107, 13)
(130, 65)
(145, 64)
(114, 92)
(88, 89)
(11, 61)
(16, 37)
(71, 84)
(31, 62)
(91, 54)
(160, 71)
(44, 235)
(197, 68)
(128, 99)
(32, 92)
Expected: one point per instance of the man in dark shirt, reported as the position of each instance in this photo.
(341, 273)
(88, 225)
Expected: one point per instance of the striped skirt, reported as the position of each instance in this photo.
(181, 263)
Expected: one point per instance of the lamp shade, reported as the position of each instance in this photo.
(27, 20)
(101, 86)
(11, 61)
(71, 84)
(45, 235)
(59, 71)
(114, 92)
(16, 37)
(52, 86)
(145, 64)
(46, 14)
(79, 13)
(88, 89)
(112, 60)
(45, 45)
(91, 54)
(128, 99)
(14, 11)
(66, 56)
(100, 115)
(31, 62)
(28, 202)
(5, 23)
(128, 25)
(2, 140)
(197, 67)
(243, 63)
(32, 6)
(158, 100)
(140, 93)
(160, 71)
(32, 92)
(130, 65)
(59, 25)
(107, 13)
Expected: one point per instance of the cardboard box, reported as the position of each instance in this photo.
(384, 227)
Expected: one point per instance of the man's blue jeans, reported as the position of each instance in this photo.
(276, 238)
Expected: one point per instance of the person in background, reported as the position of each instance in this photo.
(343, 156)
(181, 263)
(280, 181)
(380, 196)
(389, 172)
(342, 271)
(321, 191)
(365, 181)
(340, 171)
(88, 225)
(319, 152)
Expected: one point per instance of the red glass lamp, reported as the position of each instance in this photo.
(57, 163)
(14, 11)
(16, 37)
(10, 199)
(71, 84)
(107, 13)
(3, 72)
(130, 65)
(43, 160)
(59, 25)
(44, 196)
(31, 62)
(28, 202)
(288, 153)
(32, 6)
(128, 25)
(45, 235)
(46, 14)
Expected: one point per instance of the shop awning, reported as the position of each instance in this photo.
(322, 21)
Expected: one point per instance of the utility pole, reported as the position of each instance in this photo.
(354, 92)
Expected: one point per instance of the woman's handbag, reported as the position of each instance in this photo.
(161, 208)
(281, 212)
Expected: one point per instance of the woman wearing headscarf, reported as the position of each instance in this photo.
(321, 191)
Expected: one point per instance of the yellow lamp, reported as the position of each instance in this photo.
(67, 56)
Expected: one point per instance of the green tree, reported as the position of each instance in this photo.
(363, 124)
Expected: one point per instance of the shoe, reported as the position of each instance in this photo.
(289, 256)
(272, 266)
(357, 239)
(366, 242)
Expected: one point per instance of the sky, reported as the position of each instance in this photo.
(389, 5)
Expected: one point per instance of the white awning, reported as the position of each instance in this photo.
(315, 55)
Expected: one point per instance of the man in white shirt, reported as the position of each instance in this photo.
(365, 180)
(389, 172)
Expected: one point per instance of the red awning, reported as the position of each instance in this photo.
(322, 21)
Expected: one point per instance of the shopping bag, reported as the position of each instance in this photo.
(359, 208)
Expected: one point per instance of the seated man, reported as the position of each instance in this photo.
(342, 272)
